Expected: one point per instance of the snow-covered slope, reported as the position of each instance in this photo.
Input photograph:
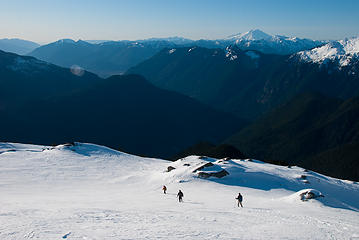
(86, 191)
(266, 43)
(344, 52)
(252, 35)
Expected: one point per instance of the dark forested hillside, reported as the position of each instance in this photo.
(246, 83)
(25, 78)
(211, 150)
(45, 104)
(311, 130)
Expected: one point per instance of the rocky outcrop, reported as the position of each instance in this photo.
(208, 164)
(310, 194)
(219, 174)
(170, 168)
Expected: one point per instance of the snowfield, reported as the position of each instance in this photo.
(91, 192)
(343, 51)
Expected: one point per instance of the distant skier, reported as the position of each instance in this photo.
(239, 199)
(164, 189)
(180, 196)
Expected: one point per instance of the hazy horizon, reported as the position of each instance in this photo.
(44, 21)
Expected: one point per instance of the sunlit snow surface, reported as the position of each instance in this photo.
(92, 192)
(343, 51)
(251, 35)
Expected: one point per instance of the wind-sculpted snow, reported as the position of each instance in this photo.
(86, 191)
(263, 176)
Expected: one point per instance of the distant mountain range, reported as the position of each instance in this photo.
(17, 46)
(46, 104)
(304, 105)
(299, 95)
(106, 58)
(249, 83)
(272, 44)
(252, 40)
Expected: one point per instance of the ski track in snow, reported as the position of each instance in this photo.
(90, 192)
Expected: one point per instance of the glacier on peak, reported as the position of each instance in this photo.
(255, 34)
(251, 35)
(266, 43)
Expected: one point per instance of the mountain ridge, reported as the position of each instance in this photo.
(304, 130)
(108, 58)
(246, 83)
(48, 104)
(18, 46)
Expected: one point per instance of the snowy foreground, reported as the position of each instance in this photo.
(92, 192)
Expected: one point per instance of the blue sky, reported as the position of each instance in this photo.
(50, 20)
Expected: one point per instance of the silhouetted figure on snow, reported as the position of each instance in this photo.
(164, 189)
(239, 199)
(180, 196)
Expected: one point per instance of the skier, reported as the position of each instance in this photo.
(239, 199)
(180, 196)
(164, 189)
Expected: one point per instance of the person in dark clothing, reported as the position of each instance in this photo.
(180, 196)
(164, 189)
(239, 199)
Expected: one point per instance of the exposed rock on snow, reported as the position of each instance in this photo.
(171, 51)
(307, 194)
(86, 191)
(170, 168)
(191, 49)
(342, 52)
(205, 165)
(266, 43)
(208, 174)
(231, 54)
(209, 169)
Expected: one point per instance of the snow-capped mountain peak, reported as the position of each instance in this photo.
(342, 51)
(66, 40)
(255, 34)
(266, 43)
(252, 35)
(70, 41)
